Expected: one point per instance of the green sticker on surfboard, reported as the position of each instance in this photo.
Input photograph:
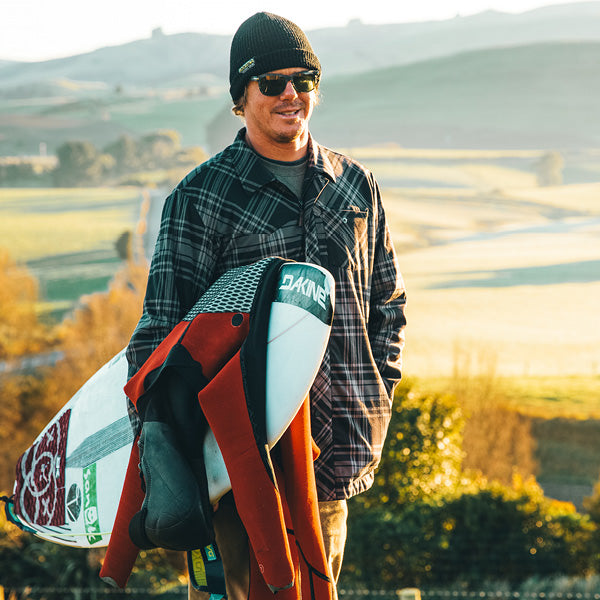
(90, 505)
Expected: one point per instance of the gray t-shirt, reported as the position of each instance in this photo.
(291, 174)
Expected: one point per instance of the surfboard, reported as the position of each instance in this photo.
(70, 479)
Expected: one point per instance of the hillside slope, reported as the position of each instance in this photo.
(538, 96)
(159, 59)
(360, 47)
(543, 96)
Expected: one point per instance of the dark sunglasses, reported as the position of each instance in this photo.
(273, 84)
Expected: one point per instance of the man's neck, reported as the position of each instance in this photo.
(284, 152)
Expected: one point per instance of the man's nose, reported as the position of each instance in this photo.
(289, 91)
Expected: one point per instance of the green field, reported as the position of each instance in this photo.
(67, 237)
(573, 397)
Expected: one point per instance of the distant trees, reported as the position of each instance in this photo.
(19, 171)
(81, 163)
(159, 149)
(125, 154)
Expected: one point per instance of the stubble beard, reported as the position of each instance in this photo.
(286, 137)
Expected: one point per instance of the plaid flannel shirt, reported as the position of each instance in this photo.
(231, 211)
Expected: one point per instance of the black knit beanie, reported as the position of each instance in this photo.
(263, 43)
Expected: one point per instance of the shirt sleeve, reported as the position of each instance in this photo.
(181, 270)
(388, 300)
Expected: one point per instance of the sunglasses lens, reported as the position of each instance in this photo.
(274, 85)
(271, 85)
(304, 83)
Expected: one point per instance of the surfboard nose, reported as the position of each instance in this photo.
(309, 287)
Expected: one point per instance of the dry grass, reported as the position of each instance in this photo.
(551, 330)
(503, 274)
(464, 174)
(584, 197)
(397, 152)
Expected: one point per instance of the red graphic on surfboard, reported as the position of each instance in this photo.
(40, 485)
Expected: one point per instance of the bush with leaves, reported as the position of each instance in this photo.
(592, 508)
(422, 453)
(486, 532)
(425, 521)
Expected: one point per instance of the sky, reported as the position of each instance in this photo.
(33, 30)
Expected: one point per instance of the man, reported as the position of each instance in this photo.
(276, 192)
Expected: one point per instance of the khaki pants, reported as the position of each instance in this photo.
(233, 544)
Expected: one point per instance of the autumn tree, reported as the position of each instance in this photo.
(97, 330)
(23, 414)
(22, 409)
(21, 332)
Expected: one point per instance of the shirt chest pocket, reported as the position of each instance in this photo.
(346, 232)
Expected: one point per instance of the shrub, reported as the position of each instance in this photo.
(486, 532)
(422, 453)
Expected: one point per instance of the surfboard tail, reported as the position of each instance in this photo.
(11, 516)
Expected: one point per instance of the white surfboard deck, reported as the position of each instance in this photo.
(99, 436)
(286, 376)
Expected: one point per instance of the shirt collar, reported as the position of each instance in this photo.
(254, 175)
(319, 161)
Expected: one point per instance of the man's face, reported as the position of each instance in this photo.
(278, 121)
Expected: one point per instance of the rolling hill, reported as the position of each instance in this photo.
(536, 96)
(158, 60)
(202, 59)
(492, 80)
(542, 96)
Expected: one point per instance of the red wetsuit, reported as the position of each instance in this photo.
(225, 353)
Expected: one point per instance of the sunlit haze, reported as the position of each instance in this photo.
(33, 30)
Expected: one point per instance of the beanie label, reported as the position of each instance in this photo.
(246, 66)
